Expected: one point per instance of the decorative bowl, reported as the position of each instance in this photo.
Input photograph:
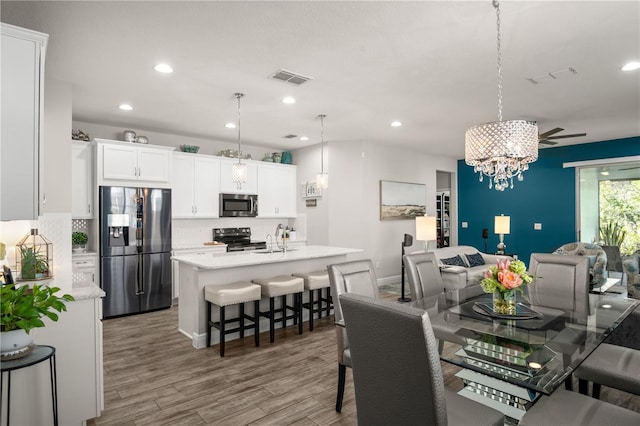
(189, 148)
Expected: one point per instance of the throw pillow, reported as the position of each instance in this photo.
(475, 259)
(453, 261)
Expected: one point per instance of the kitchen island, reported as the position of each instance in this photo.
(197, 271)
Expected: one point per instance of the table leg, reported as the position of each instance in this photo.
(54, 388)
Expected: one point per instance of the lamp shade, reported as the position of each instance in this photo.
(426, 228)
(502, 224)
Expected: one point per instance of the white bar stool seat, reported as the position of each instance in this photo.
(236, 293)
(316, 280)
(282, 285)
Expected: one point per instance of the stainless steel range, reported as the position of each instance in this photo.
(237, 239)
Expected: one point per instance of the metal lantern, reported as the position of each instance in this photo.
(34, 257)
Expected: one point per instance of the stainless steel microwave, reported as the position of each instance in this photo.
(238, 205)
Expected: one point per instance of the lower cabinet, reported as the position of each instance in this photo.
(203, 251)
(77, 337)
(85, 270)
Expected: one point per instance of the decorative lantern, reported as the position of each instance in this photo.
(34, 257)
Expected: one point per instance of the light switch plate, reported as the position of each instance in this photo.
(537, 226)
(465, 225)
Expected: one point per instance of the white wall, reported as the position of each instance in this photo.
(348, 214)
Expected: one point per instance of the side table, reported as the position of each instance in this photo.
(38, 354)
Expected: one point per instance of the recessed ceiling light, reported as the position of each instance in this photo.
(304, 138)
(396, 124)
(605, 173)
(125, 107)
(288, 100)
(631, 66)
(230, 125)
(163, 68)
(606, 306)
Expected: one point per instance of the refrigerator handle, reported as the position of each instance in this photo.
(139, 281)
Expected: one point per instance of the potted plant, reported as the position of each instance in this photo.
(33, 264)
(79, 241)
(22, 308)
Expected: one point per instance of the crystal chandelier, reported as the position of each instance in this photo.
(240, 168)
(322, 180)
(501, 149)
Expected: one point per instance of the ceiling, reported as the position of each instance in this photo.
(430, 65)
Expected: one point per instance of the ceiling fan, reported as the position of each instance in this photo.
(546, 138)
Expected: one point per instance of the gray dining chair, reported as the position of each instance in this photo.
(567, 408)
(562, 282)
(423, 273)
(359, 277)
(396, 368)
(425, 281)
(614, 366)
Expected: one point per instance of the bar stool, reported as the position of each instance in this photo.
(237, 293)
(316, 280)
(282, 285)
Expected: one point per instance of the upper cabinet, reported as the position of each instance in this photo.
(82, 180)
(228, 186)
(22, 86)
(125, 163)
(196, 186)
(276, 190)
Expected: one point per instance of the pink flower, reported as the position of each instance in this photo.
(509, 279)
(488, 274)
(504, 264)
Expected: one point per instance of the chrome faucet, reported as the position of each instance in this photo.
(270, 243)
(280, 229)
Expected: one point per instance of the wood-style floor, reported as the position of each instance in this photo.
(153, 376)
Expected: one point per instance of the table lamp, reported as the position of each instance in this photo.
(426, 230)
(502, 226)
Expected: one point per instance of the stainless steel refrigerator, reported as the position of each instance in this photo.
(135, 249)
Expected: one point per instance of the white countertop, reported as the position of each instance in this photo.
(86, 291)
(245, 258)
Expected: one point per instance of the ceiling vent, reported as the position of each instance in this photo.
(290, 77)
(290, 136)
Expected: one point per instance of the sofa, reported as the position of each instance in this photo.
(631, 266)
(463, 268)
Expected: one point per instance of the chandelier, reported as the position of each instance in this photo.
(322, 180)
(239, 169)
(501, 150)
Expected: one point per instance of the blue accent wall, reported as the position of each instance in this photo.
(547, 196)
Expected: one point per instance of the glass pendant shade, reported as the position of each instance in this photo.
(322, 180)
(501, 150)
(239, 174)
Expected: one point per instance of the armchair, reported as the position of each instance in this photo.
(631, 266)
(595, 253)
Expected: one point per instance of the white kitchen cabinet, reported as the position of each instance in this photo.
(82, 180)
(276, 190)
(227, 186)
(22, 87)
(196, 186)
(121, 163)
(85, 269)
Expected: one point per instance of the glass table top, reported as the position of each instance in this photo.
(537, 353)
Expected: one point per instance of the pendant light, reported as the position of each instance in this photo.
(501, 149)
(322, 180)
(240, 168)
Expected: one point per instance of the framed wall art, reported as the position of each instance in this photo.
(402, 200)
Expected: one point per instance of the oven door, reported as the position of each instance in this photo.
(238, 205)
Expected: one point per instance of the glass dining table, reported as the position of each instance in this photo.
(509, 361)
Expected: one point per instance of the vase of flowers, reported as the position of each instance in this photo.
(504, 281)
